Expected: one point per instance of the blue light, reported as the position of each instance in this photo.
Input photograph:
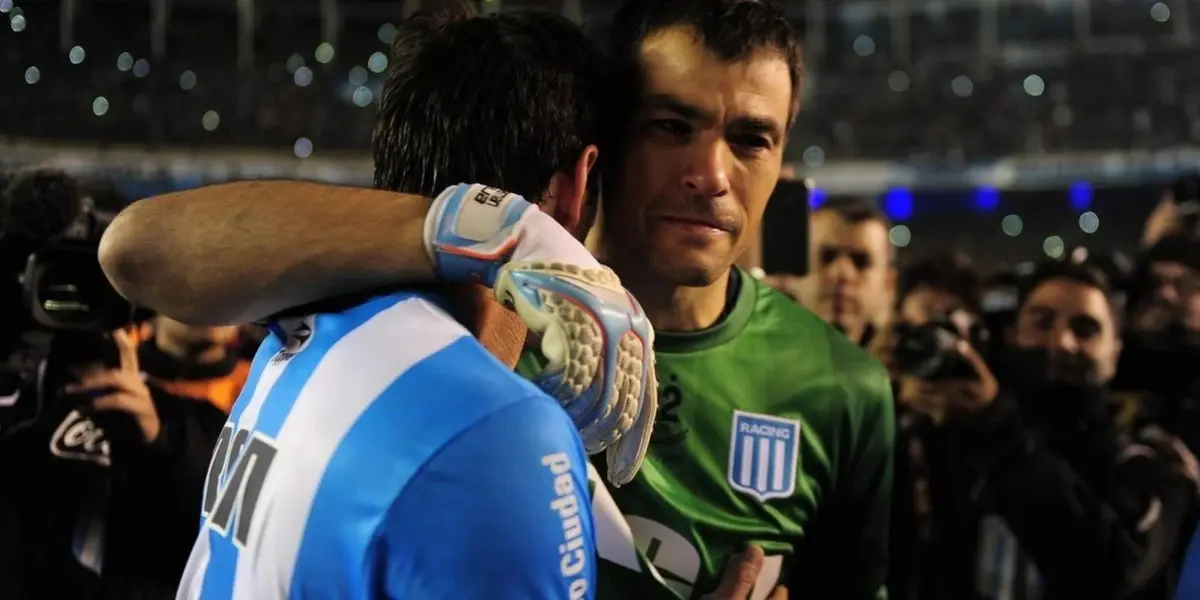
(898, 204)
(987, 199)
(816, 198)
(1081, 195)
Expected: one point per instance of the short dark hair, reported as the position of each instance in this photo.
(505, 100)
(730, 29)
(949, 273)
(40, 203)
(1083, 274)
(857, 210)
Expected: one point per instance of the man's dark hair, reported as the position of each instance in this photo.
(857, 210)
(40, 203)
(951, 274)
(1077, 273)
(731, 29)
(505, 100)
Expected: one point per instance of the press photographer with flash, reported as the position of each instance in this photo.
(1018, 483)
(102, 470)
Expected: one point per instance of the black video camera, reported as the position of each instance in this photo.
(57, 305)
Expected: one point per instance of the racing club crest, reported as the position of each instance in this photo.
(763, 455)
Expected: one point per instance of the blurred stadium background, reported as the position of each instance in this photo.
(1008, 129)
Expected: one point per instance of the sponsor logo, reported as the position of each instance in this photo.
(763, 455)
(572, 556)
(490, 196)
(79, 438)
(297, 335)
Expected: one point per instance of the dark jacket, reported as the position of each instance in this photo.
(1007, 506)
(97, 512)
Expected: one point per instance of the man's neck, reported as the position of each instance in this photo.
(677, 308)
(212, 354)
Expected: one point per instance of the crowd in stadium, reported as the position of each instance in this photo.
(739, 387)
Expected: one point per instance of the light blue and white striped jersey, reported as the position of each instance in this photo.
(382, 452)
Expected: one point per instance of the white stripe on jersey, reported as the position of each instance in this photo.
(193, 573)
(352, 376)
(347, 380)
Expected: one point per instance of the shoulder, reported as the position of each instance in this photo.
(801, 336)
(512, 487)
(528, 450)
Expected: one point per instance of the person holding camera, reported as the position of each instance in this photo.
(107, 479)
(1019, 483)
(196, 361)
(102, 471)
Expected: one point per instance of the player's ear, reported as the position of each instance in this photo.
(566, 198)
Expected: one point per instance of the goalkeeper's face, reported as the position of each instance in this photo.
(702, 156)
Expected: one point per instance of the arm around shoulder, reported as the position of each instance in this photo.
(239, 252)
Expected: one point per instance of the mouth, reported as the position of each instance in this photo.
(840, 301)
(696, 224)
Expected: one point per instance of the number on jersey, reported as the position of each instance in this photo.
(235, 481)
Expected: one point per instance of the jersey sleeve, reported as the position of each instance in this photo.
(501, 511)
(870, 491)
(852, 560)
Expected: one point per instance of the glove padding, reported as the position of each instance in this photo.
(597, 338)
(600, 348)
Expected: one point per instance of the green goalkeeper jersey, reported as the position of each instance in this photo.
(772, 428)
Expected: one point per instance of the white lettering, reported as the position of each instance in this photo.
(572, 558)
(783, 433)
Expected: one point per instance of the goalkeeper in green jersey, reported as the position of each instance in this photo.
(773, 429)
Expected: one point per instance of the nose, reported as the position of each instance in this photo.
(707, 172)
(1064, 340)
(1169, 292)
(841, 269)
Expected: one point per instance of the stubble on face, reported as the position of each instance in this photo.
(702, 157)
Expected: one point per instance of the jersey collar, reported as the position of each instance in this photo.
(727, 328)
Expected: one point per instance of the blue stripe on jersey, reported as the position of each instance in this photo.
(328, 331)
(1189, 577)
(266, 351)
(423, 410)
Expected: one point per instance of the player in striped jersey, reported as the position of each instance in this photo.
(379, 450)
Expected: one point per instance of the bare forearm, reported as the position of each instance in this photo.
(239, 252)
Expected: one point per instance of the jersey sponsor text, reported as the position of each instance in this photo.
(573, 556)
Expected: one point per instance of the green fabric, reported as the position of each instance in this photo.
(770, 357)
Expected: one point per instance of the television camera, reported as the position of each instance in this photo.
(57, 305)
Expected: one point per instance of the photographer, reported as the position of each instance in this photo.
(196, 361)
(1030, 490)
(102, 471)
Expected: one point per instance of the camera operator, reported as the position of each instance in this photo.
(102, 471)
(1029, 491)
(196, 361)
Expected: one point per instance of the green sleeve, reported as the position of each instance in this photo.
(849, 557)
(870, 487)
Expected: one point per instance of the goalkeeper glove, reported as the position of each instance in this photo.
(598, 341)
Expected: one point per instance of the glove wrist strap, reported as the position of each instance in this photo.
(471, 231)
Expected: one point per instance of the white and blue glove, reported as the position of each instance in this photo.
(595, 335)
